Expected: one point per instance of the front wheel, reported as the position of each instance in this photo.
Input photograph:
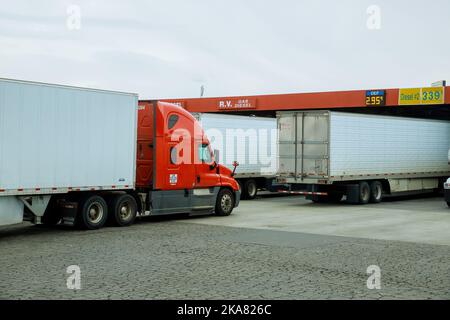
(225, 202)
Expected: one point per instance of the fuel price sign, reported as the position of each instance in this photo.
(375, 97)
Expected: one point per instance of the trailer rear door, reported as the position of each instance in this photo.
(303, 145)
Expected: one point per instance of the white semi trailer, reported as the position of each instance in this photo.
(59, 140)
(330, 155)
(250, 140)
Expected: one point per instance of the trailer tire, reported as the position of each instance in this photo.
(448, 203)
(364, 192)
(225, 202)
(250, 189)
(122, 210)
(92, 212)
(376, 192)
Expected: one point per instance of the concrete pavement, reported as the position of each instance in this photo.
(413, 219)
(245, 256)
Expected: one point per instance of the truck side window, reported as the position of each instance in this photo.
(204, 154)
(173, 119)
(173, 155)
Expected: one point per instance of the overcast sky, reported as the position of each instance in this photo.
(163, 49)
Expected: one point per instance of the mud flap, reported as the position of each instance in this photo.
(352, 193)
(68, 212)
(11, 210)
(447, 195)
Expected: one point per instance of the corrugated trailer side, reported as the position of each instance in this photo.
(53, 138)
(371, 145)
(58, 139)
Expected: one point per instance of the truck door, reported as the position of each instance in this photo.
(175, 174)
(178, 143)
(176, 196)
(312, 133)
(207, 179)
(206, 174)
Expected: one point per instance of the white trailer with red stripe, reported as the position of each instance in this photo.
(59, 139)
(329, 155)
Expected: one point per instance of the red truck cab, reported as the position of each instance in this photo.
(176, 167)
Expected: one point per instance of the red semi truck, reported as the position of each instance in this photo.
(176, 164)
(82, 157)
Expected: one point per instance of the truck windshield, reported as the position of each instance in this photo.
(204, 154)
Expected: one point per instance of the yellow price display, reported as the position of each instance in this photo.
(433, 95)
(421, 96)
